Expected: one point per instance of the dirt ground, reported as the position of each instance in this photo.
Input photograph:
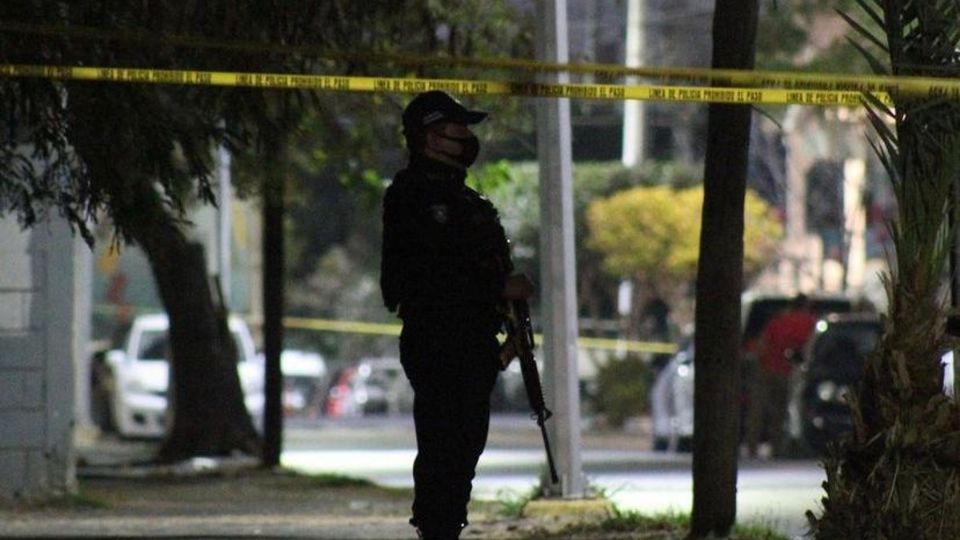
(253, 503)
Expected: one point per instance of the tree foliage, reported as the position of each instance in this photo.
(653, 233)
(808, 35)
(137, 154)
(520, 209)
(173, 127)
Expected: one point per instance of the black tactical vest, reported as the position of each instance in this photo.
(444, 251)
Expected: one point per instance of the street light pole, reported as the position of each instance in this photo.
(634, 125)
(558, 269)
(224, 224)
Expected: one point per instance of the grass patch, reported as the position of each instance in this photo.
(288, 478)
(71, 501)
(630, 520)
(81, 501)
(664, 525)
(325, 480)
(510, 503)
(757, 532)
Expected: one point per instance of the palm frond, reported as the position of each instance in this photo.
(876, 65)
(871, 12)
(863, 31)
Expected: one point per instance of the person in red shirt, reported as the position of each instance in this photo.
(781, 346)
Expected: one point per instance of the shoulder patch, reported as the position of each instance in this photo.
(440, 213)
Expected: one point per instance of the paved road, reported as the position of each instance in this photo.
(775, 493)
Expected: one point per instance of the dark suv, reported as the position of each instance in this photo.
(833, 365)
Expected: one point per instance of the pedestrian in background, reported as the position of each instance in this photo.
(780, 348)
(446, 271)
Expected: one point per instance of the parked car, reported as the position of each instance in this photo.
(832, 366)
(304, 381)
(372, 386)
(671, 395)
(671, 403)
(137, 376)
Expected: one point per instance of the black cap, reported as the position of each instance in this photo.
(436, 106)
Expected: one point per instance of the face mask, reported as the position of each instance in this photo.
(470, 147)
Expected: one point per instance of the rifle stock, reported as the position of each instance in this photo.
(520, 333)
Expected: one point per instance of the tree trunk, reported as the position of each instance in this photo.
(206, 400)
(719, 284)
(273, 300)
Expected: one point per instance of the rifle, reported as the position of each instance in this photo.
(520, 338)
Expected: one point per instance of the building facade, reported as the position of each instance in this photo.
(43, 339)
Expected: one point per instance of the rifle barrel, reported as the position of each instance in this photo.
(521, 330)
(546, 445)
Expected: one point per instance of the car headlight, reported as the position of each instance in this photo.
(825, 390)
(831, 392)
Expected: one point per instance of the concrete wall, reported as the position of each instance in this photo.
(38, 345)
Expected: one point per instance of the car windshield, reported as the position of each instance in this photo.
(762, 311)
(382, 377)
(842, 347)
(859, 339)
(154, 345)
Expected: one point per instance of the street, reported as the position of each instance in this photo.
(775, 493)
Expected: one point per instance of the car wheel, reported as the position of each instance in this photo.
(685, 444)
(798, 449)
(101, 404)
(661, 444)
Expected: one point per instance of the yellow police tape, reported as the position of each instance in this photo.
(694, 94)
(925, 87)
(357, 327)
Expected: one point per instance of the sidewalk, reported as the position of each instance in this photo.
(231, 498)
(214, 501)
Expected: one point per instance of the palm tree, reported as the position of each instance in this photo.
(899, 474)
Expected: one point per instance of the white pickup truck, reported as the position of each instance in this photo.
(139, 374)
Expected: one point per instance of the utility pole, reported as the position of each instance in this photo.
(855, 224)
(558, 269)
(795, 268)
(224, 224)
(634, 121)
(634, 131)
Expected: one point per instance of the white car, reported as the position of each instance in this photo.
(140, 373)
(304, 377)
(671, 403)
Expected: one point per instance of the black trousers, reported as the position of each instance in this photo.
(452, 366)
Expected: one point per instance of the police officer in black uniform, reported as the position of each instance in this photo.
(445, 270)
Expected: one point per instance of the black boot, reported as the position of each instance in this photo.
(439, 533)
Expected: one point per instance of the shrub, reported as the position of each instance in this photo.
(622, 387)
